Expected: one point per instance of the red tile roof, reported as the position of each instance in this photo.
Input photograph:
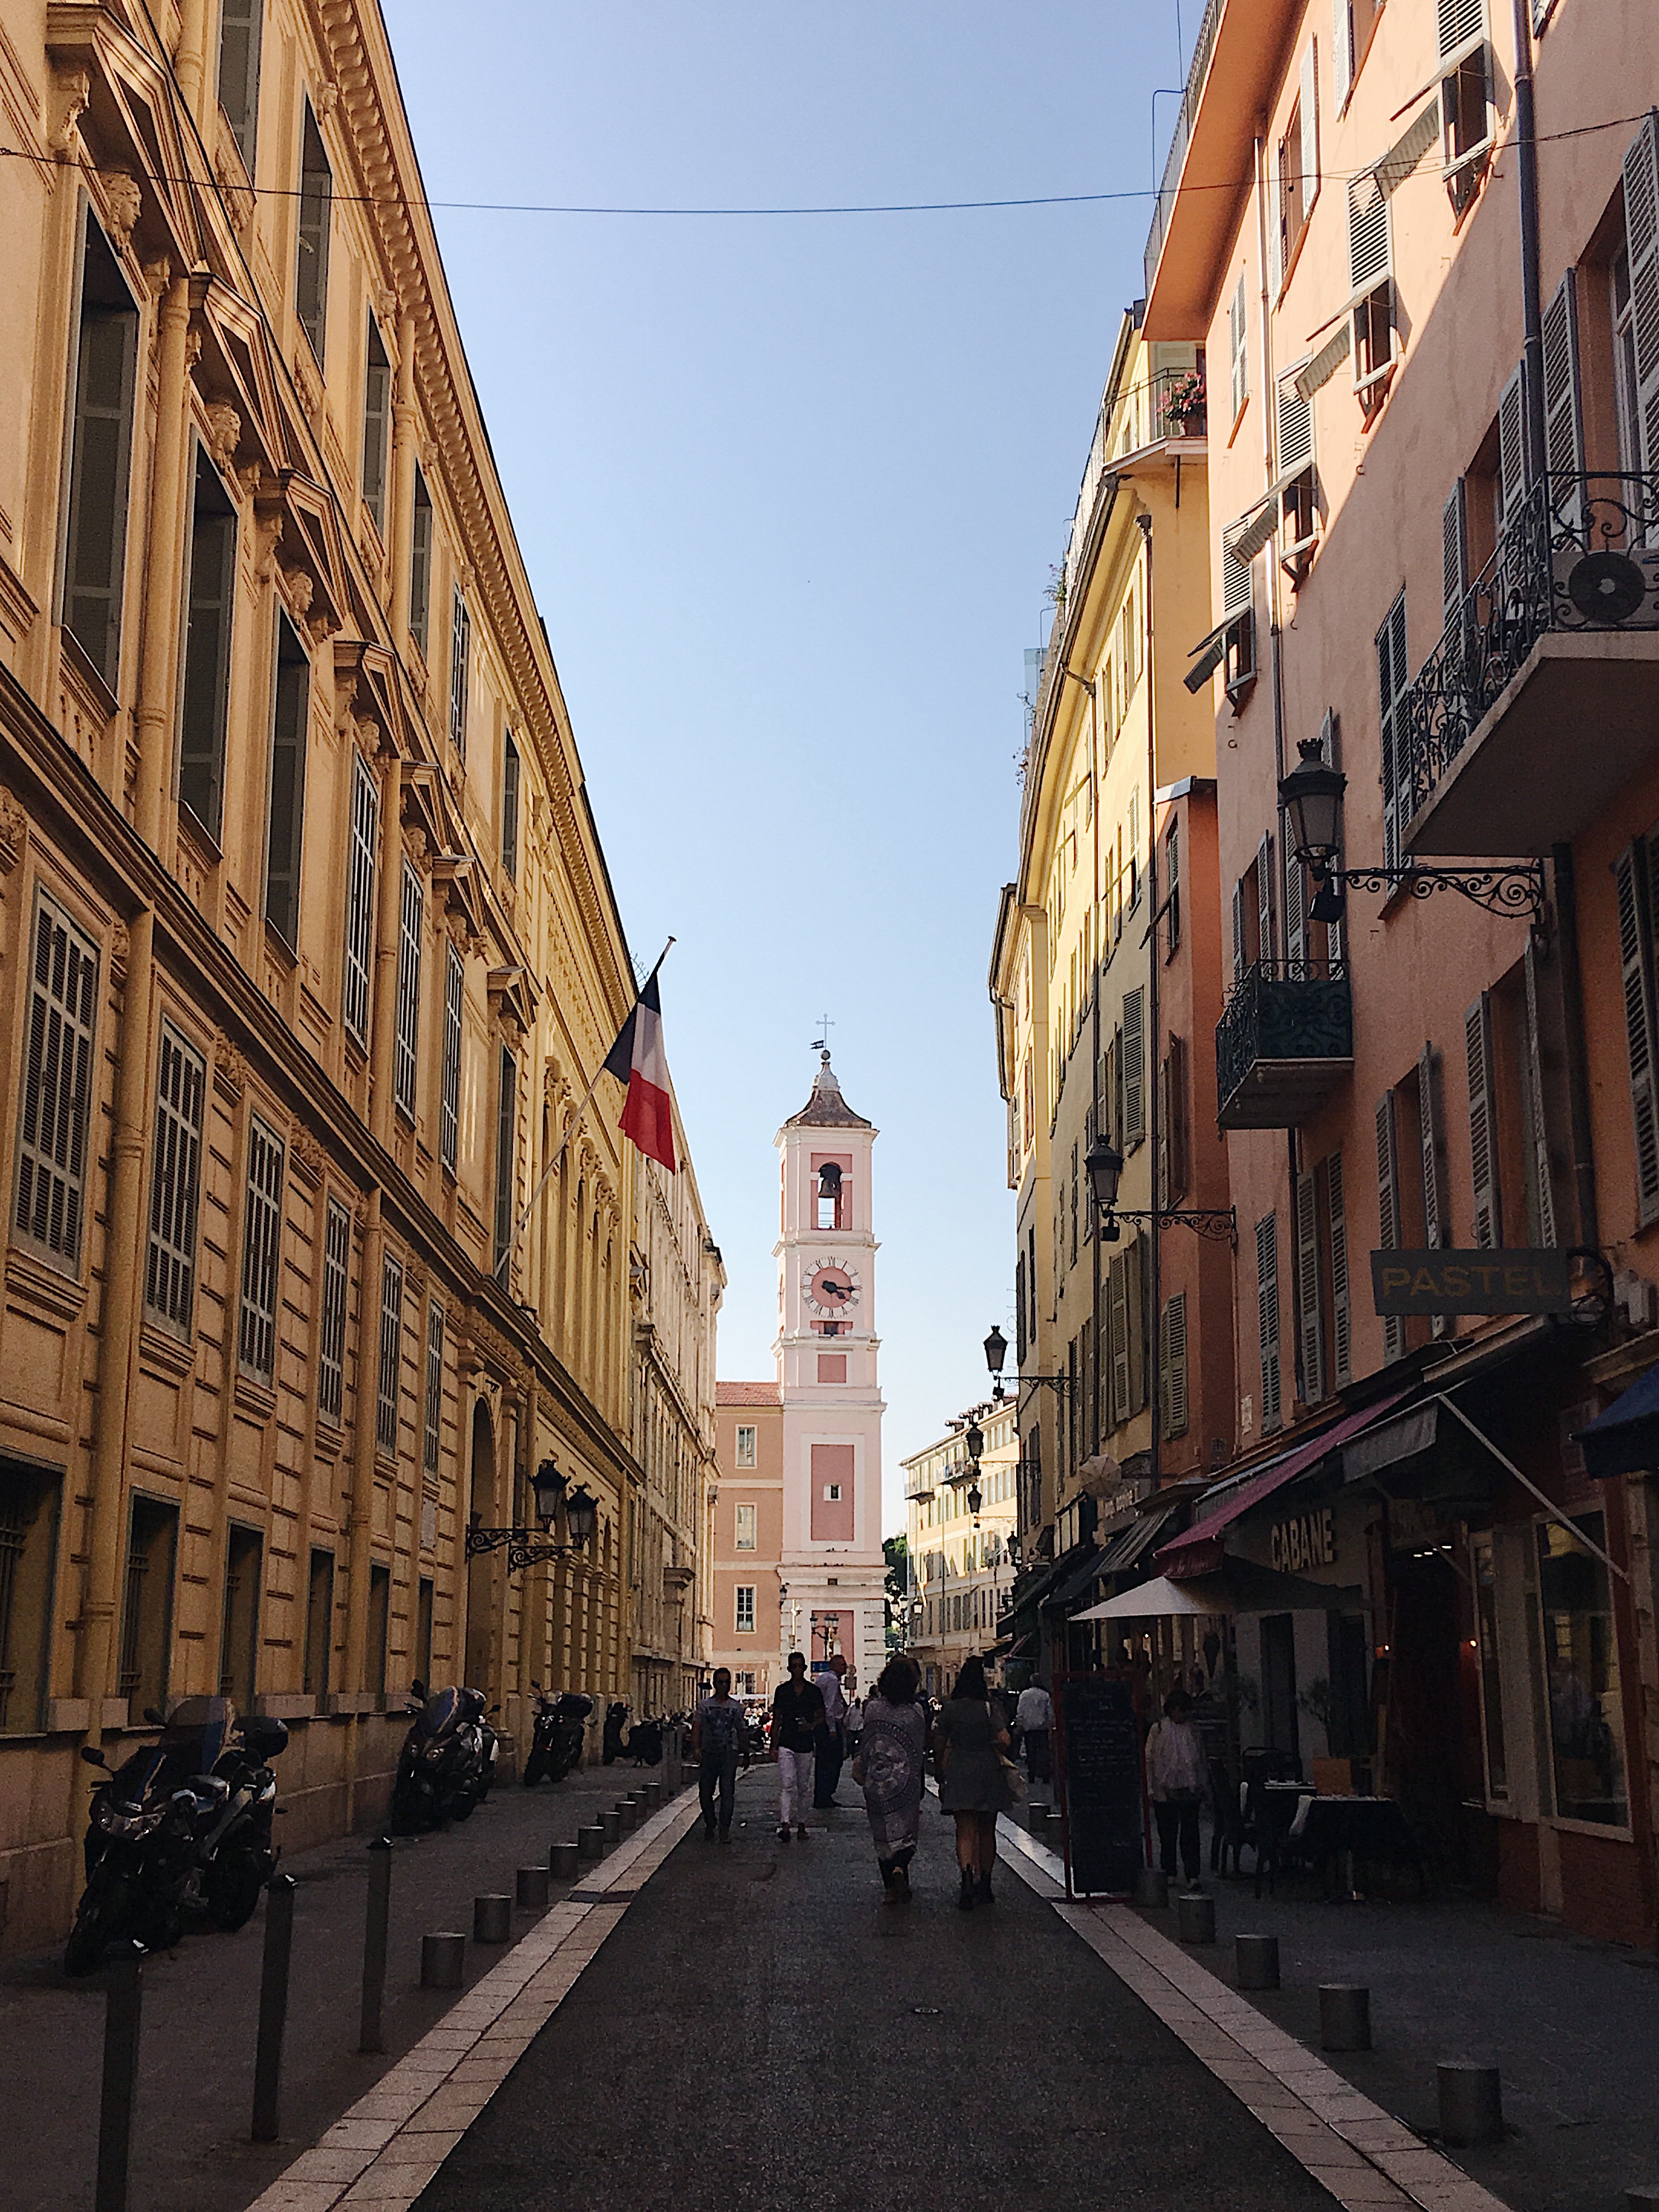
(747, 1393)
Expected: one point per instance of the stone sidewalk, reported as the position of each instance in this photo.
(191, 2151)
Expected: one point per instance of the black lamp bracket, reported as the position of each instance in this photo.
(1215, 1224)
(523, 1547)
(1057, 1383)
(1516, 890)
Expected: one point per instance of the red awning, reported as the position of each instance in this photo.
(1198, 1551)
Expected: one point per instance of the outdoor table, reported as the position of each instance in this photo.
(1348, 1829)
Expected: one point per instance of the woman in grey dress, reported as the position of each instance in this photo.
(888, 1770)
(971, 1734)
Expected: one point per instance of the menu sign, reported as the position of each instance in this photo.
(1098, 1739)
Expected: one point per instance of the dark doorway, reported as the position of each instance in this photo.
(1278, 1683)
(1351, 1708)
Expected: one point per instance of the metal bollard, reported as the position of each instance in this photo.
(273, 2008)
(590, 1842)
(442, 1958)
(532, 1889)
(627, 1815)
(1255, 1961)
(123, 2009)
(1196, 1917)
(376, 1916)
(1471, 2105)
(1643, 2198)
(562, 1861)
(1153, 1887)
(1345, 2017)
(492, 1919)
(610, 1823)
(1036, 1819)
(654, 1795)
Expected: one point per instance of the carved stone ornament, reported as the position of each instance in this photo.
(224, 428)
(120, 948)
(234, 185)
(328, 99)
(73, 94)
(123, 205)
(158, 275)
(250, 479)
(305, 1153)
(269, 536)
(298, 587)
(415, 1279)
(14, 832)
(229, 1068)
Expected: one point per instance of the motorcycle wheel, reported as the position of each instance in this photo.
(233, 1891)
(462, 1807)
(534, 1768)
(99, 1919)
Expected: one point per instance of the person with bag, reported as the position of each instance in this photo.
(888, 1768)
(972, 1740)
(1176, 1775)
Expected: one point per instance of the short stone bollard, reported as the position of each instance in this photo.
(532, 1889)
(1056, 1837)
(1255, 1961)
(1196, 1917)
(1036, 1819)
(590, 1842)
(442, 1958)
(1345, 2017)
(1471, 2105)
(610, 1823)
(562, 1861)
(629, 1810)
(652, 1795)
(1153, 1887)
(492, 1919)
(1643, 2198)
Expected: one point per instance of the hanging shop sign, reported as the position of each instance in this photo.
(1306, 1539)
(1496, 1282)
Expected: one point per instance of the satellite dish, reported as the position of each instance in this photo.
(1606, 587)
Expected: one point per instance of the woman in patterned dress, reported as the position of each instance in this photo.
(889, 1771)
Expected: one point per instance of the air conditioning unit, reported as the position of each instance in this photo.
(1610, 588)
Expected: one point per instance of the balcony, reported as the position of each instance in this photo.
(1284, 1043)
(1542, 700)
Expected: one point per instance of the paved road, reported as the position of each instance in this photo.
(761, 2031)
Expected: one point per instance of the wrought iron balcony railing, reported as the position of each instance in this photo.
(1284, 1040)
(1580, 554)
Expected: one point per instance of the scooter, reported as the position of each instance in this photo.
(441, 1769)
(644, 1743)
(556, 1743)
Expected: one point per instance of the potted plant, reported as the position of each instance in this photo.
(1184, 410)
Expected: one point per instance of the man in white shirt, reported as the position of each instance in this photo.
(1034, 1716)
(832, 1742)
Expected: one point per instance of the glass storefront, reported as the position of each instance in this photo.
(1581, 1666)
(1492, 1695)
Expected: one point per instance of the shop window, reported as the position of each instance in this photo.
(204, 711)
(239, 1633)
(146, 1606)
(239, 24)
(285, 839)
(316, 199)
(380, 1627)
(1581, 1666)
(100, 455)
(320, 1623)
(28, 1538)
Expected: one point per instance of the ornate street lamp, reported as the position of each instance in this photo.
(996, 1359)
(523, 1547)
(1104, 1163)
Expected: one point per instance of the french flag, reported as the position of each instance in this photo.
(637, 1059)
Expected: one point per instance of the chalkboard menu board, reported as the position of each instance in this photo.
(1098, 1740)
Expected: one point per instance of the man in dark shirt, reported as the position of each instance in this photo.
(797, 1716)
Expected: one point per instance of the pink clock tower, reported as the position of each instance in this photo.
(831, 1571)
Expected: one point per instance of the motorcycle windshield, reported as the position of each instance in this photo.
(573, 1706)
(439, 1715)
(196, 1732)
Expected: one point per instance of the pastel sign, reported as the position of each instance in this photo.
(1520, 1282)
(1307, 1540)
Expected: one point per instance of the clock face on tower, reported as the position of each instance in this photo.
(832, 1288)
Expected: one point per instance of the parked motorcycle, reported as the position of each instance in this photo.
(616, 1723)
(555, 1742)
(444, 1768)
(644, 1743)
(181, 1829)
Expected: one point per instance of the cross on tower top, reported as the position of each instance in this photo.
(822, 1044)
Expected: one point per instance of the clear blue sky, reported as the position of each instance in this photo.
(789, 490)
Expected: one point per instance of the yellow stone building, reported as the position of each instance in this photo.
(307, 957)
(962, 1562)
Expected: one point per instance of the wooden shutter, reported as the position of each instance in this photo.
(1241, 943)
(1563, 420)
(1134, 1294)
(1512, 444)
(1432, 1148)
(1387, 1212)
(1391, 683)
(1483, 1116)
(1174, 1119)
(1172, 1367)
(1453, 552)
(1309, 1321)
(1165, 1163)
(1341, 1311)
(1538, 1117)
(1267, 1308)
(1118, 1314)
(1277, 222)
(1134, 1068)
(1642, 235)
(1371, 245)
(1309, 147)
(1636, 965)
(1342, 50)
(1264, 895)
(1295, 915)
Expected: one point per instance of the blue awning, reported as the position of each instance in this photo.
(1624, 1439)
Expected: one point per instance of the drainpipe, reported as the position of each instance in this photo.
(361, 1529)
(1532, 295)
(1154, 1031)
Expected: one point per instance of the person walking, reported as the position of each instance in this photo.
(888, 1769)
(1034, 1717)
(797, 1716)
(971, 1734)
(720, 1735)
(1175, 1776)
(830, 1742)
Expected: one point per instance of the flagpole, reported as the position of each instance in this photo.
(571, 1127)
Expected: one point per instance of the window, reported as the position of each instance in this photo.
(147, 1605)
(745, 1614)
(388, 1394)
(207, 648)
(1394, 688)
(1371, 287)
(1488, 1210)
(100, 453)
(1642, 257)
(1297, 165)
(239, 1631)
(1297, 515)
(58, 1062)
(316, 196)
(285, 840)
(1580, 1664)
(746, 1539)
(1465, 121)
(1310, 1306)
(380, 1627)
(746, 1455)
(449, 1105)
(175, 1182)
(432, 1432)
(507, 1114)
(1636, 884)
(28, 1542)
(1355, 21)
(460, 647)
(1133, 1068)
(331, 1351)
(411, 912)
(238, 72)
(1388, 1210)
(1267, 1303)
(420, 564)
(1624, 380)
(377, 425)
(832, 1493)
(1336, 1232)
(319, 1625)
(1174, 1152)
(360, 900)
(1172, 1367)
(510, 806)
(1172, 891)
(1239, 348)
(262, 1242)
